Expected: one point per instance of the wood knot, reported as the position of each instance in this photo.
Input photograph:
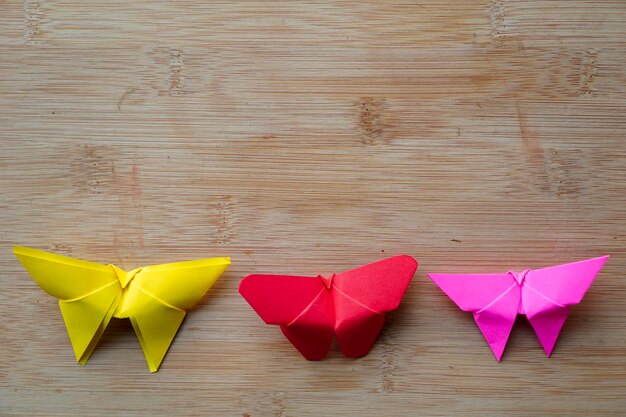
(371, 121)
(34, 20)
(497, 19)
(177, 79)
(588, 72)
(93, 169)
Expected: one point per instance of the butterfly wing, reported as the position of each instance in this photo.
(492, 298)
(312, 331)
(157, 299)
(363, 295)
(300, 305)
(548, 294)
(88, 294)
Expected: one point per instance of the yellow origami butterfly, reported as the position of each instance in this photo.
(154, 298)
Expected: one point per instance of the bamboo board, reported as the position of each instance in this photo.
(305, 138)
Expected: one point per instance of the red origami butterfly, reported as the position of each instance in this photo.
(311, 310)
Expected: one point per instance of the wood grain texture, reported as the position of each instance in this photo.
(305, 138)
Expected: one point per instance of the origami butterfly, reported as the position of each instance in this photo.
(544, 296)
(311, 310)
(154, 298)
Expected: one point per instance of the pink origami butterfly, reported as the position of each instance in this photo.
(544, 296)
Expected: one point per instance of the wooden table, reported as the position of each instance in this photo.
(310, 137)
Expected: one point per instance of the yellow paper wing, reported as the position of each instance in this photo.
(181, 284)
(158, 296)
(88, 294)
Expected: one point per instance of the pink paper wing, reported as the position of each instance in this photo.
(565, 284)
(549, 292)
(279, 299)
(493, 298)
(473, 292)
(380, 285)
(545, 317)
(496, 320)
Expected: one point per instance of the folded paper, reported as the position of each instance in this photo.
(351, 305)
(544, 296)
(154, 298)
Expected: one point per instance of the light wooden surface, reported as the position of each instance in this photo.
(311, 137)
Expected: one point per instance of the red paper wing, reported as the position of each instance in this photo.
(357, 326)
(361, 297)
(380, 285)
(302, 306)
(280, 299)
(312, 331)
